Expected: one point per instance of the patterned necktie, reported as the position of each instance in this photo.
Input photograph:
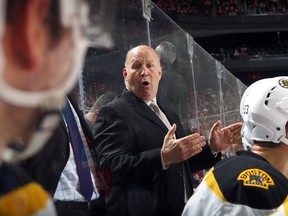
(79, 151)
(153, 105)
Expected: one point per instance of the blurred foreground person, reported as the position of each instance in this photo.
(254, 182)
(42, 48)
(149, 158)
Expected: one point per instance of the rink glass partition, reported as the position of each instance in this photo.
(197, 86)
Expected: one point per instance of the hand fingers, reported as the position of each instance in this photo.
(192, 140)
(193, 153)
(192, 137)
(216, 125)
(236, 133)
(185, 147)
(236, 138)
(236, 127)
(194, 147)
(171, 132)
(233, 130)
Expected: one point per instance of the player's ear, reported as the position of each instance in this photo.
(27, 33)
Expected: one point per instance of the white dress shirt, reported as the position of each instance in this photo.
(68, 188)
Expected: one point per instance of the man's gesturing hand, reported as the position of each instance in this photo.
(177, 150)
(223, 138)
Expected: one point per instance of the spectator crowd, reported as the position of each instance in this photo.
(223, 7)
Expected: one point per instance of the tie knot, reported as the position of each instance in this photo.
(153, 105)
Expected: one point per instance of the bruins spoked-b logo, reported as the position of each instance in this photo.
(255, 178)
(283, 83)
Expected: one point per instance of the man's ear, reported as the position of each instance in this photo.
(27, 33)
(160, 72)
(124, 73)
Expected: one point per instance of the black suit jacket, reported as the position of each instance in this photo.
(129, 137)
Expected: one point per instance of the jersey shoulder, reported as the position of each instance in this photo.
(250, 180)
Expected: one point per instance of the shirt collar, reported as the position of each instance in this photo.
(149, 102)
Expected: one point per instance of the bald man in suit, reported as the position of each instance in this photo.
(150, 162)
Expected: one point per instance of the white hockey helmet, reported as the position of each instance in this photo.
(246, 101)
(264, 110)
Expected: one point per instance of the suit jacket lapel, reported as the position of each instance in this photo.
(172, 119)
(141, 107)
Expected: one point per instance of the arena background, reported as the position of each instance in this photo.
(219, 52)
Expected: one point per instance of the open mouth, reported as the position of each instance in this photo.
(145, 83)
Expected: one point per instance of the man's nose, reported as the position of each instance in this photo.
(144, 71)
